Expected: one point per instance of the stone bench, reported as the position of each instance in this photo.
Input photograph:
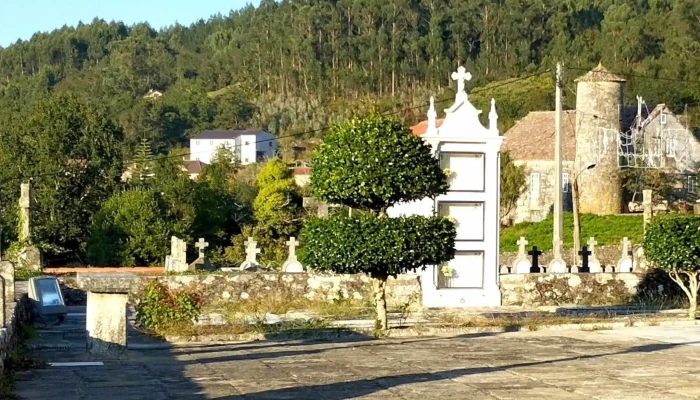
(106, 322)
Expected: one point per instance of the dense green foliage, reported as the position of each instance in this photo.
(607, 230)
(277, 210)
(160, 308)
(73, 153)
(373, 163)
(673, 244)
(132, 228)
(379, 247)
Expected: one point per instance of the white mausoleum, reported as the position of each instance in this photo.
(471, 152)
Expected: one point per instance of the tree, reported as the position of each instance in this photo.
(373, 163)
(513, 183)
(72, 151)
(672, 244)
(143, 161)
(132, 228)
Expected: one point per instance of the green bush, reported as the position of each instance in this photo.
(673, 244)
(132, 228)
(607, 230)
(160, 308)
(377, 246)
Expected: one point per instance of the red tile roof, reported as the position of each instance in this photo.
(422, 127)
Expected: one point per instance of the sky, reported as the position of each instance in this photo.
(20, 19)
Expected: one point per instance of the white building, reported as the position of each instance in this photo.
(471, 152)
(248, 146)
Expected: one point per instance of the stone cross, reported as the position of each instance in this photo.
(461, 76)
(557, 265)
(178, 249)
(584, 253)
(251, 250)
(292, 264)
(647, 206)
(591, 245)
(201, 245)
(535, 253)
(522, 242)
(625, 264)
(292, 243)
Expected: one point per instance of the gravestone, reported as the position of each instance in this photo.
(535, 253)
(7, 272)
(201, 263)
(557, 265)
(625, 264)
(251, 251)
(584, 253)
(30, 256)
(522, 265)
(177, 260)
(292, 264)
(593, 262)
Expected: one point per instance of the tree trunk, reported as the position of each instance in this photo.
(379, 284)
(691, 290)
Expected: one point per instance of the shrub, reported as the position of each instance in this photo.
(673, 244)
(160, 308)
(131, 228)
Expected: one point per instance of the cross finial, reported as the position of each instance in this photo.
(251, 250)
(201, 245)
(432, 118)
(592, 244)
(461, 76)
(493, 117)
(292, 243)
(522, 242)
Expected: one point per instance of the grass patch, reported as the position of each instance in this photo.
(608, 230)
(536, 322)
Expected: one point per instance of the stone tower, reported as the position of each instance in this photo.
(599, 100)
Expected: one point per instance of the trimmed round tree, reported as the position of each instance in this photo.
(673, 244)
(372, 164)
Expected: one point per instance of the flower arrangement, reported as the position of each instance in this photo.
(446, 271)
(448, 172)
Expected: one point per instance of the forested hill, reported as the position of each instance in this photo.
(298, 65)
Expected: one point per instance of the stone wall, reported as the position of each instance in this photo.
(251, 286)
(529, 209)
(569, 289)
(12, 333)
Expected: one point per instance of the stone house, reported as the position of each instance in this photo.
(602, 131)
(531, 144)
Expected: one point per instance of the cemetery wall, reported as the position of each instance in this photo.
(258, 286)
(569, 289)
(19, 314)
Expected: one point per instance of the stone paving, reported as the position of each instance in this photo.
(632, 363)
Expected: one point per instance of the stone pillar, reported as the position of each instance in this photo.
(25, 213)
(106, 324)
(647, 206)
(7, 272)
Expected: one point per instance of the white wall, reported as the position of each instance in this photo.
(205, 149)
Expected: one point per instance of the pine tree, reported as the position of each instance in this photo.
(143, 163)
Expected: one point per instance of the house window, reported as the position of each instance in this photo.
(565, 182)
(670, 147)
(211, 142)
(692, 184)
(196, 142)
(534, 185)
(246, 160)
(663, 119)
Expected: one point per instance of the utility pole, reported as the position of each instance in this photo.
(557, 238)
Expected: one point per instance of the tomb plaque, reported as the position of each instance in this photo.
(466, 171)
(466, 270)
(468, 218)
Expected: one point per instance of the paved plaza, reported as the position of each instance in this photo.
(633, 363)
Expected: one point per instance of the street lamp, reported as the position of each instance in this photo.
(577, 217)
